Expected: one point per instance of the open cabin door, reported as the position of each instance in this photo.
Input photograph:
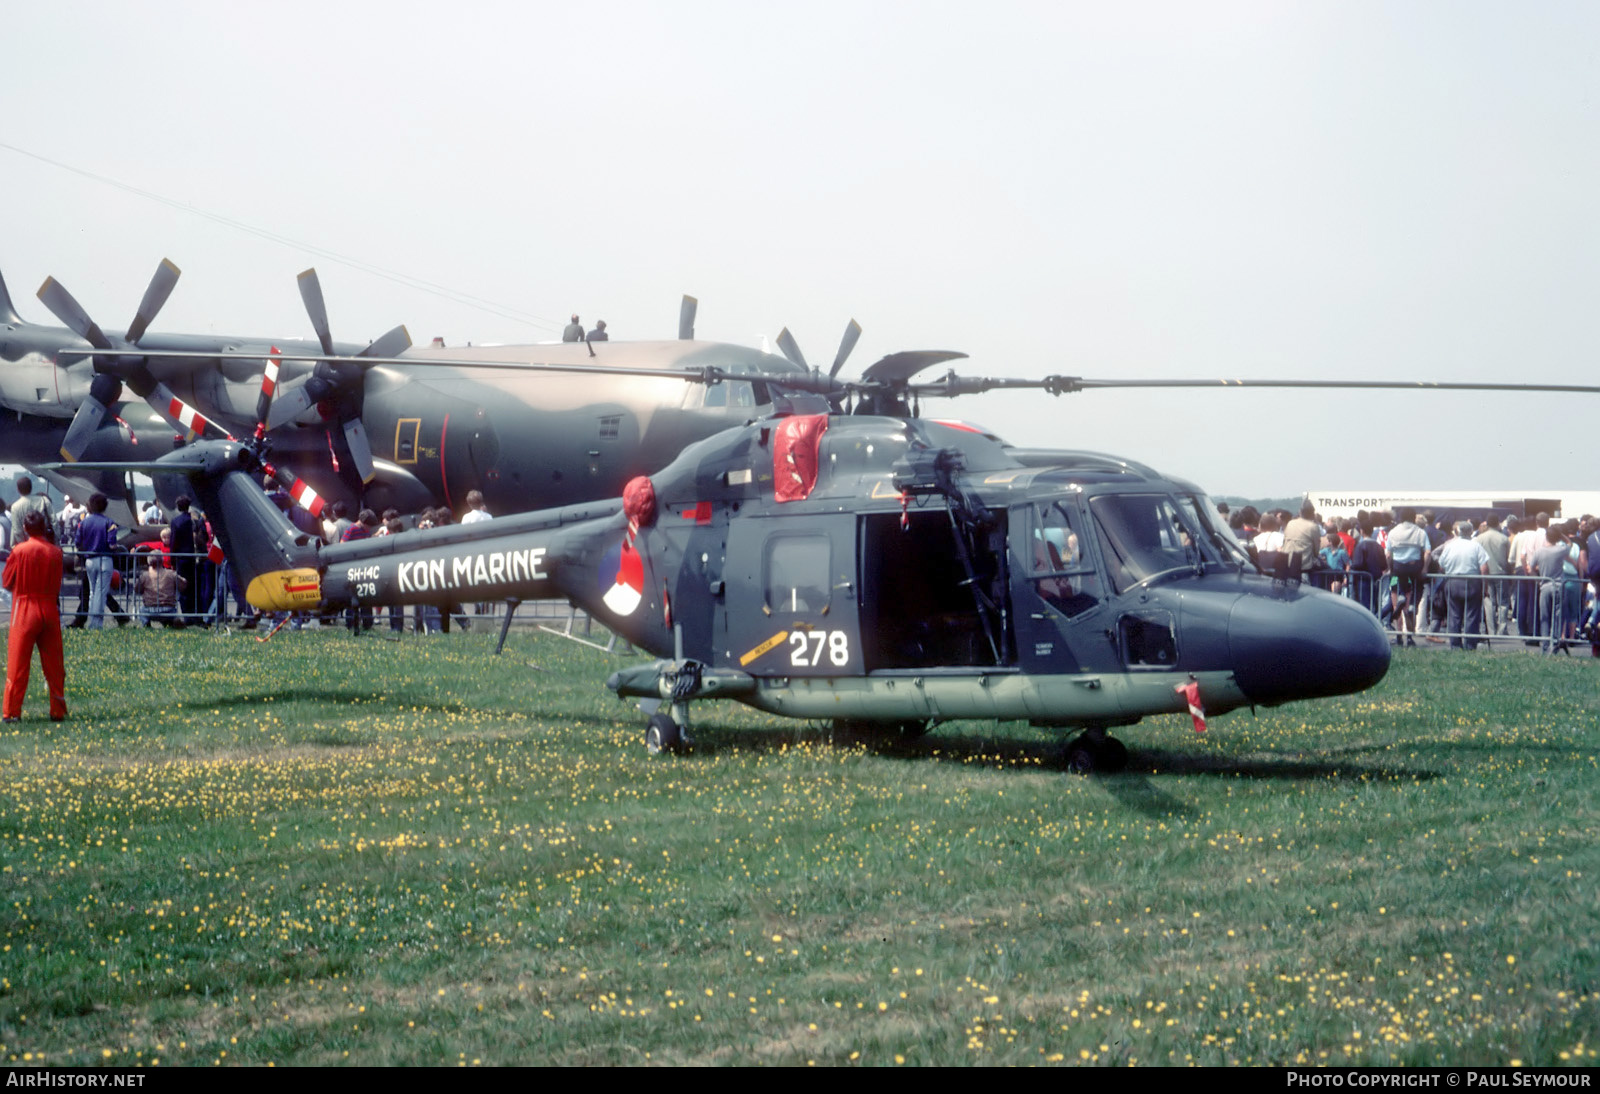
(791, 596)
(918, 608)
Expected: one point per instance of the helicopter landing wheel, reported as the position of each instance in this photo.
(662, 734)
(1088, 756)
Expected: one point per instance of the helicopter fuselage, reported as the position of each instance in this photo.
(885, 569)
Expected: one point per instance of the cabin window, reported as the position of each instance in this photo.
(405, 439)
(1147, 640)
(1063, 574)
(797, 568)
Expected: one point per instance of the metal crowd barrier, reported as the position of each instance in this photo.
(1509, 607)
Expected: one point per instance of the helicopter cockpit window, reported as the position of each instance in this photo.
(1063, 573)
(1202, 514)
(1143, 535)
(796, 574)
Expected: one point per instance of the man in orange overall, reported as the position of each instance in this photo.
(33, 574)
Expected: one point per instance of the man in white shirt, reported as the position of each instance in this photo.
(1407, 551)
(1464, 563)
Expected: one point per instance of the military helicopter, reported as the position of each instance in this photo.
(874, 568)
(421, 428)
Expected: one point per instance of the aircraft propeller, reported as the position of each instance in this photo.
(118, 366)
(686, 312)
(302, 492)
(791, 348)
(336, 380)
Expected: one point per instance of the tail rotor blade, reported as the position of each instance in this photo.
(155, 298)
(311, 294)
(66, 308)
(686, 312)
(852, 334)
(790, 348)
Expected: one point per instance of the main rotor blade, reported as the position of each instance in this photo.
(686, 312)
(183, 416)
(852, 334)
(155, 298)
(66, 308)
(269, 384)
(392, 344)
(902, 366)
(791, 348)
(1078, 383)
(173, 463)
(311, 294)
(91, 412)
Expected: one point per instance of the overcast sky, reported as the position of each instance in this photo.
(1310, 190)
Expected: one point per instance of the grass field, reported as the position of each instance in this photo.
(325, 849)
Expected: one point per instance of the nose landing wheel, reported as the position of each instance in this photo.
(662, 734)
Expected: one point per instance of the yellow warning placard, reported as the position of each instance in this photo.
(765, 647)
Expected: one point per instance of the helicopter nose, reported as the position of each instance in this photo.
(1304, 645)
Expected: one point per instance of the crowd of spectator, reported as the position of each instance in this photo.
(1531, 578)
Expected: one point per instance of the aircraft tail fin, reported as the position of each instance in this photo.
(276, 562)
(8, 310)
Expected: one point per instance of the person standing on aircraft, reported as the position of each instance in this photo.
(574, 331)
(27, 502)
(33, 575)
(599, 333)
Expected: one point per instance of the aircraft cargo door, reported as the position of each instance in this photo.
(791, 597)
